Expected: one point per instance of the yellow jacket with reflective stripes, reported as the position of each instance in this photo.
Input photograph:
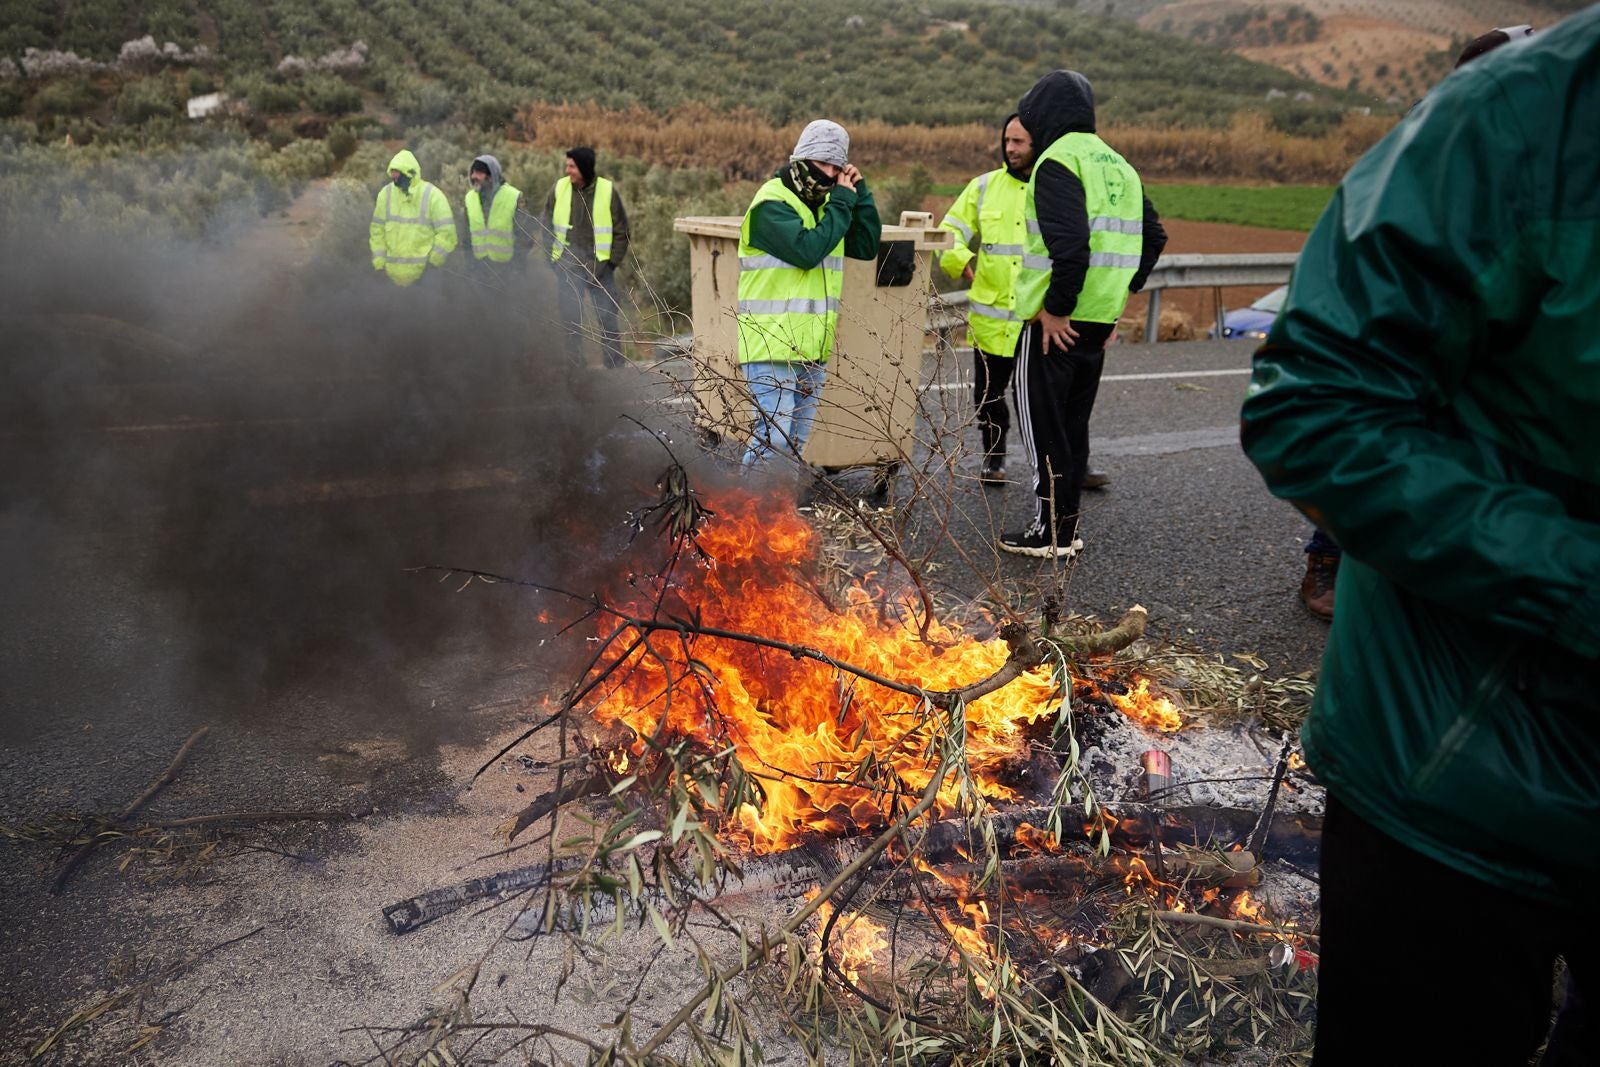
(498, 239)
(410, 230)
(786, 313)
(561, 219)
(991, 210)
(1114, 197)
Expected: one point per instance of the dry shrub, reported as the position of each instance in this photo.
(1175, 325)
(744, 145)
(1250, 149)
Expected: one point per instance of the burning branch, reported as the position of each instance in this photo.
(759, 953)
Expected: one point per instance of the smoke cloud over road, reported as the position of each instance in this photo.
(217, 470)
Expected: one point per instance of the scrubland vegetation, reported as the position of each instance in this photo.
(690, 103)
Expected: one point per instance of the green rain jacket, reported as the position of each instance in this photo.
(1430, 396)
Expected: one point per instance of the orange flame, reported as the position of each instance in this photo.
(1246, 907)
(1032, 839)
(799, 726)
(1150, 710)
(855, 941)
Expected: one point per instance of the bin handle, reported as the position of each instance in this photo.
(715, 252)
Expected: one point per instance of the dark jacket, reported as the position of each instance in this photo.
(580, 239)
(1062, 102)
(1430, 396)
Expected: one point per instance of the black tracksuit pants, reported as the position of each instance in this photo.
(1054, 400)
(991, 376)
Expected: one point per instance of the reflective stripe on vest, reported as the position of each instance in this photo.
(1114, 199)
(786, 313)
(992, 322)
(561, 219)
(497, 240)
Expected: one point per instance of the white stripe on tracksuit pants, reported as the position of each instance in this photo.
(1055, 395)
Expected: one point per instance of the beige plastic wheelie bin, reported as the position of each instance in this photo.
(867, 413)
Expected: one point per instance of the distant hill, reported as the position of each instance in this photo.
(1394, 49)
(939, 63)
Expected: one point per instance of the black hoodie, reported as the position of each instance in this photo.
(1060, 103)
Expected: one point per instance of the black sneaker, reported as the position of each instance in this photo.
(992, 476)
(1028, 543)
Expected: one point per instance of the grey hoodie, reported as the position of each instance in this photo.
(492, 186)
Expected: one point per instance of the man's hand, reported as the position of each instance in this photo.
(1058, 331)
(966, 273)
(848, 176)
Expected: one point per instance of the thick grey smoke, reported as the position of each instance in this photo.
(216, 468)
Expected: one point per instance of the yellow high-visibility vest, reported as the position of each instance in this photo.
(1114, 198)
(786, 313)
(410, 230)
(497, 240)
(561, 218)
(993, 209)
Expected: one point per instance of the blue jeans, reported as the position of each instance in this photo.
(785, 395)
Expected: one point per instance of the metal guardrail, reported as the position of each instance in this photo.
(946, 311)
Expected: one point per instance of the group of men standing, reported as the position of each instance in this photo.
(1063, 230)
(1064, 234)
(583, 230)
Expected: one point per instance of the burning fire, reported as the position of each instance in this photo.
(803, 729)
(855, 941)
(1150, 710)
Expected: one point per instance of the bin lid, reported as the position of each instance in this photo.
(924, 238)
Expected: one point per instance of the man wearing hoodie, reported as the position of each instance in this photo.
(1092, 238)
(495, 211)
(802, 223)
(588, 231)
(990, 213)
(412, 227)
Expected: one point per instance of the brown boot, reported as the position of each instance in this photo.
(1316, 589)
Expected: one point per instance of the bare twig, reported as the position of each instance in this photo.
(100, 1007)
(1237, 926)
(140, 801)
(760, 952)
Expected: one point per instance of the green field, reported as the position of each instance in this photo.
(1277, 207)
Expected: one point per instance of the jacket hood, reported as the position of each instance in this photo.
(583, 156)
(1020, 175)
(496, 178)
(1059, 103)
(406, 164)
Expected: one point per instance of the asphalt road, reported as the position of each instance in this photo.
(156, 581)
(1186, 526)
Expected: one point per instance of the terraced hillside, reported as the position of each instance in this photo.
(948, 62)
(1394, 49)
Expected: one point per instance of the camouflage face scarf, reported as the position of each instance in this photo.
(809, 183)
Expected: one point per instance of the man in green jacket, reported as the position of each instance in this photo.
(1429, 396)
(802, 223)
